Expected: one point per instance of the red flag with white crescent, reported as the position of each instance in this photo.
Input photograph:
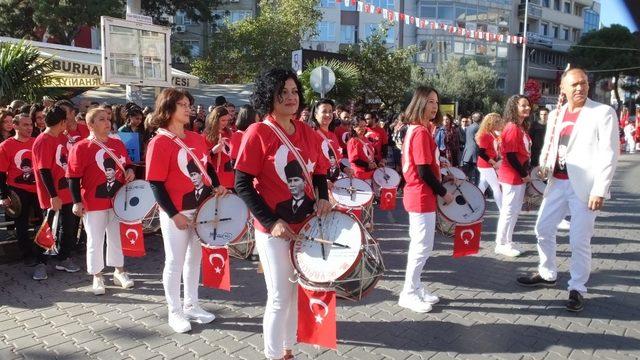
(388, 199)
(215, 268)
(466, 240)
(44, 237)
(132, 240)
(317, 317)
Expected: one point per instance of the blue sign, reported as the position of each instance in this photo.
(131, 141)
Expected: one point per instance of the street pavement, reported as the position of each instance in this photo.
(482, 314)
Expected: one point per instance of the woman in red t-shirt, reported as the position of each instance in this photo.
(218, 137)
(322, 117)
(421, 171)
(176, 167)
(281, 198)
(94, 178)
(513, 174)
(246, 116)
(488, 154)
(361, 152)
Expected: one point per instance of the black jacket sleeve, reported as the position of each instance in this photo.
(482, 152)
(320, 183)
(47, 179)
(361, 163)
(74, 186)
(4, 190)
(385, 151)
(513, 161)
(430, 178)
(215, 182)
(163, 199)
(259, 209)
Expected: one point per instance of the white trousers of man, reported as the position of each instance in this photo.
(631, 144)
(96, 223)
(280, 320)
(489, 177)
(559, 198)
(421, 233)
(512, 198)
(182, 253)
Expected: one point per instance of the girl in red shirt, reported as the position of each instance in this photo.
(94, 178)
(360, 151)
(488, 154)
(513, 174)
(175, 161)
(421, 170)
(218, 137)
(246, 116)
(322, 117)
(281, 198)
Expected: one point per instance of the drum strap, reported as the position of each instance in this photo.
(109, 152)
(177, 140)
(285, 140)
(559, 116)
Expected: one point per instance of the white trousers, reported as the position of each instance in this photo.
(182, 253)
(96, 224)
(512, 198)
(631, 144)
(422, 228)
(559, 198)
(280, 321)
(489, 177)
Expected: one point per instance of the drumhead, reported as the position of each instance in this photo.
(352, 192)
(386, 178)
(454, 171)
(536, 183)
(133, 201)
(345, 162)
(335, 227)
(217, 229)
(468, 205)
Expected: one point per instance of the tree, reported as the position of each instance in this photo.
(471, 84)
(595, 51)
(384, 74)
(23, 73)
(346, 81)
(243, 49)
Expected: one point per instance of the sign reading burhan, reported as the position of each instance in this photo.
(73, 82)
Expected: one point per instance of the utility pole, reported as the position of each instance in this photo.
(524, 46)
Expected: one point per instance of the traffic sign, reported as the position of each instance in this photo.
(322, 80)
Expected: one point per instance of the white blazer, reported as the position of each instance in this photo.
(592, 152)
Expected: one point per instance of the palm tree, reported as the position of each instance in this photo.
(23, 73)
(346, 80)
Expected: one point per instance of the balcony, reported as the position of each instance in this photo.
(535, 11)
(537, 39)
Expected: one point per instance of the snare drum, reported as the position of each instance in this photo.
(351, 263)
(534, 190)
(133, 201)
(354, 195)
(386, 178)
(221, 220)
(467, 207)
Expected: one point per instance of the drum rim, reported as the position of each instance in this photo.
(456, 222)
(14, 196)
(357, 206)
(386, 187)
(533, 181)
(113, 199)
(195, 228)
(343, 275)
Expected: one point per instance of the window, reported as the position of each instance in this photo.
(445, 12)
(239, 15)
(556, 32)
(575, 34)
(219, 18)
(386, 4)
(428, 11)
(545, 3)
(567, 7)
(328, 3)
(556, 5)
(326, 31)
(544, 29)
(347, 34)
(502, 51)
(182, 18)
(565, 33)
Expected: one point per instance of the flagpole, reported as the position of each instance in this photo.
(524, 45)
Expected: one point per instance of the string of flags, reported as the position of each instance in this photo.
(396, 16)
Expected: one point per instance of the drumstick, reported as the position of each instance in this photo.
(216, 220)
(465, 199)
(324, 257)
(350, 189)
(126, 196)
(213, 221)
(309, 238)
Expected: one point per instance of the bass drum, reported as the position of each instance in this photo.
(351, 262)
(385, 178)
(243, 248)
(134, 201)
(534, 190)
(151, 222)
(467, 207)
(221, 220)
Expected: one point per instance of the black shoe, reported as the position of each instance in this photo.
(576, 301)
(534, 280)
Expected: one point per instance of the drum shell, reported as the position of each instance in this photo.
(243, 247)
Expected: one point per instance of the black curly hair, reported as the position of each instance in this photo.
(315, 107)
(511, 111)
(268, 85)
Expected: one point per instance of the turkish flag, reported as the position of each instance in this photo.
(45, 237)
(215, 268)
(132, 240)
(387, 199)
(317, 317)
(466, 240)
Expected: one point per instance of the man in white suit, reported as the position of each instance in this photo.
(579, 157)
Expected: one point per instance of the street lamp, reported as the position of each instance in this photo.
(524, 45)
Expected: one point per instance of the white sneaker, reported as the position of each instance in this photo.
(122, 279)
(428, 297)
(414, 303)
(197, 314)
(564, 225)
(179, 323)
(98, 285)
(507, 250)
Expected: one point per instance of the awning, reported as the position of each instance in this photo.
(79, 67)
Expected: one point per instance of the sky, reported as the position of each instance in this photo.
(615, 12)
